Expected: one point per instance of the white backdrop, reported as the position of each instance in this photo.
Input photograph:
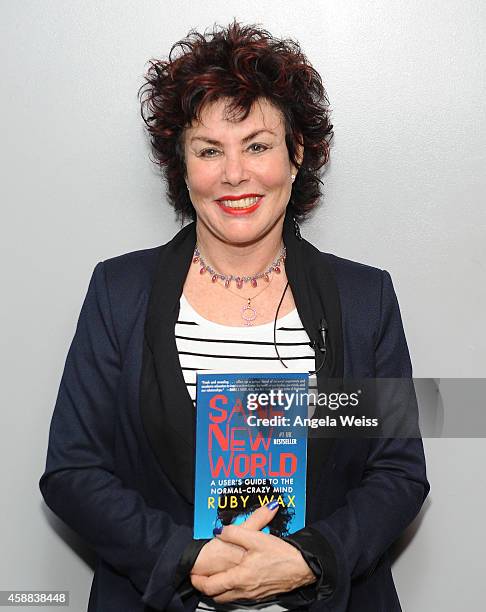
(404, 191)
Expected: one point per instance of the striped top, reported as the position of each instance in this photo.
(205, 345)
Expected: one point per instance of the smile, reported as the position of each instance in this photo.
(239, 203)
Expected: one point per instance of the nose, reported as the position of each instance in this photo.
(234, 170)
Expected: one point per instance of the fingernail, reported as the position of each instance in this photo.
(272, 505)
(217, 530)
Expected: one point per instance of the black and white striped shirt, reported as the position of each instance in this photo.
(205, 345)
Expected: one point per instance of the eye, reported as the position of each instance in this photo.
(210, 152)
(257, 147)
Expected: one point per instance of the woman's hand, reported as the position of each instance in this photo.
(268, 566)
(218, 556)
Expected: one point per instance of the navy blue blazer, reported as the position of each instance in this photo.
(103, 476)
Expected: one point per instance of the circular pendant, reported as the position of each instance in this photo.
(248, 314)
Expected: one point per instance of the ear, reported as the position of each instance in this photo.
(299, 153)
(299, 156)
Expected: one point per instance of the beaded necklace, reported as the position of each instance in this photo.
(248, 311)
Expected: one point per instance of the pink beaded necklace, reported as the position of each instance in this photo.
(248, 312)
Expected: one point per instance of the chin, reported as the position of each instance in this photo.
(240, 237)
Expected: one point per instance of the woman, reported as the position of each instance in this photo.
(240, 125)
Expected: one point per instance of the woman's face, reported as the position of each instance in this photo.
(239, 172)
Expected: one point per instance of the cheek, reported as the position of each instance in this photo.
(201, 177)
(278, 183)
(275, 174)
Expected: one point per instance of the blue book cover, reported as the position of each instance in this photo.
(248, 449)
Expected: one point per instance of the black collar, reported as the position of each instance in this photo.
(166, 407)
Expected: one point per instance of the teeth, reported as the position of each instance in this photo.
(243, 203)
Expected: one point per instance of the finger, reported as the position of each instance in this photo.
(261, 517)
(200, 583)
(230, 596)
(217, 584)
(246, 538)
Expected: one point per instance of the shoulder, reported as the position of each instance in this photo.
(369, 305)
(126, 281)
(352, 277)
(349, 271)
(135, 269)
(122, 287)
(366, 292)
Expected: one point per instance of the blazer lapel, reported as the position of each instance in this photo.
(166, 407)
(316, 298)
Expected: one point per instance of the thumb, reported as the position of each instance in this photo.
(261, 516)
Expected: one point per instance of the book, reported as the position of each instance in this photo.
(248, 450)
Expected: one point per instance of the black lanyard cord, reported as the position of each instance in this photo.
(321, 346)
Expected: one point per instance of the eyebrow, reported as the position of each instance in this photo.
(244, 140)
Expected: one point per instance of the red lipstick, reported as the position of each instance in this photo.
(240, 197)
(239, 211)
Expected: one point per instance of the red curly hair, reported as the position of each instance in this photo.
(242, 63)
